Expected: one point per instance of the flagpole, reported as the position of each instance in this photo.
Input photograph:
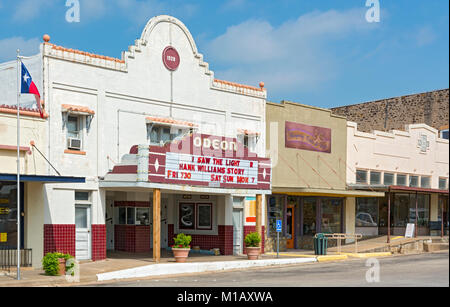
(18, 164)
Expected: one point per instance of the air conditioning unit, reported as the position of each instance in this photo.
(74, 144)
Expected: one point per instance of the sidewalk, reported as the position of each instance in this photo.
(117, 262)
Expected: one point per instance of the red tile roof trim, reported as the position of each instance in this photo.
(170, 121)
(74, 108)
(23, 111)
(239, 85)
(248, 132)
(92, 55)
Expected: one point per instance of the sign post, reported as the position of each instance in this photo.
(279, 229)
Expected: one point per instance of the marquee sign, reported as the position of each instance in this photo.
(211, 161)
(306, 137)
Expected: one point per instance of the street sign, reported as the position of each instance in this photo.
(279, 225)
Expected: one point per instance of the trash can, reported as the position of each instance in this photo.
(320, 244)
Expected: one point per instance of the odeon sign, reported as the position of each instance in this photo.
(206, 160)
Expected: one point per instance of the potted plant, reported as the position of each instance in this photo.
(252, 241)
(181, 247)
(55, 263)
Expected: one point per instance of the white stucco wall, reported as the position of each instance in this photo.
(122, 95)
(398, 152)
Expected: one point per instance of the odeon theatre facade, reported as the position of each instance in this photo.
(163, 147)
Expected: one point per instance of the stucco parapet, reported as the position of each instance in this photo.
(285, 103)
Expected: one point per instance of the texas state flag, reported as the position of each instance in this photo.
(28, 87)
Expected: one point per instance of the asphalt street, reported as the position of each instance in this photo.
(423, 270)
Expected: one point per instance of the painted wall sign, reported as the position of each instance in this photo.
(171, 58)
(205, 160)
(307, 137)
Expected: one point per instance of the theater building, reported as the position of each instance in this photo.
(308, 149)
(163, 148)
(411, 167)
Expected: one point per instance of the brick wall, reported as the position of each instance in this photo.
(59, 238)
(431, 108)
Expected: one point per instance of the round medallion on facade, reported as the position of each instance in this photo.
(171, 58)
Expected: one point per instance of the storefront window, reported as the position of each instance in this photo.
(383, 213)
(331, 215)
(143, 216)
(423, 209)
(8, 215)
(274, 213)
(309, 216)
(405, 209)
(131, 216)
(366, 212)
(401, 210)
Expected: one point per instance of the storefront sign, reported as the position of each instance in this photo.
(171, 58)
(212, 161)
(409, 231)
(306, 137)
(3, 237)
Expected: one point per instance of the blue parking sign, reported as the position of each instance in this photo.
(279, 225)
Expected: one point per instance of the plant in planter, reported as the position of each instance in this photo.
(182, 247)
(252, 241)
(55, 263)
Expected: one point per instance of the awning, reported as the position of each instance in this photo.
(325, 192)
(43, 179)
(393, 188)
(129, 186)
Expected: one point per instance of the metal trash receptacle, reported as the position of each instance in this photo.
(320, 244)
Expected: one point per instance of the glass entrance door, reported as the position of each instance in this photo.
(290, 226)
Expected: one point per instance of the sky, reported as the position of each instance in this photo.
(322, 53)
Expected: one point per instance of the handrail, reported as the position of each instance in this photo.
(341, 236)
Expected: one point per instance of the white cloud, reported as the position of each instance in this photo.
(27, 10)
(297, 54)
(9, 46)
(425, 36)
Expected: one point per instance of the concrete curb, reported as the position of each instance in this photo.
(187, 268)
(331, 258)
(368, 255)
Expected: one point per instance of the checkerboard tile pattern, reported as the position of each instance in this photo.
(223, 241)
(59, 238)
(98, 242)
(133, 239)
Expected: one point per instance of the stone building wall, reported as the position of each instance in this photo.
(431, 108)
